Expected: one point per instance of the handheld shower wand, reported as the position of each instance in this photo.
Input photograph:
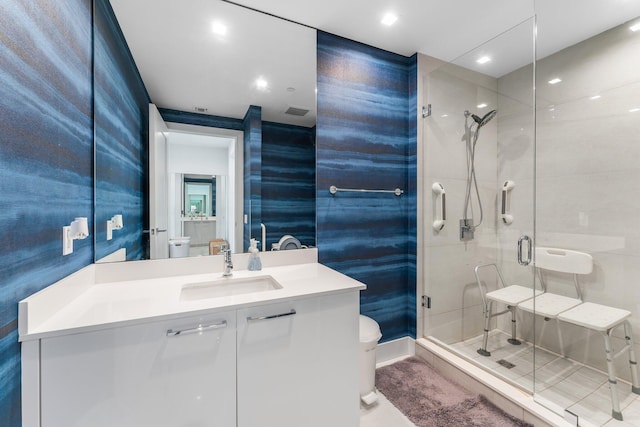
(467, 227)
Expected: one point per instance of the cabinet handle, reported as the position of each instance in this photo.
(198, 329)
(273, 316)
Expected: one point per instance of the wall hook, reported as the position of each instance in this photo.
(78, 229)
(115, 223)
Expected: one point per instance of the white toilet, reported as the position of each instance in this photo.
(369, 337)
(179, 247)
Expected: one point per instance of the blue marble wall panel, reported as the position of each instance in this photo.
(365, 139)
(252, 128)
(176, 116)
(46, 158)
(288, 182)
(412, 194)
(121, 134)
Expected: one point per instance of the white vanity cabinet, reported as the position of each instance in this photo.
(166, 373)
(139, 348)
(298, 363)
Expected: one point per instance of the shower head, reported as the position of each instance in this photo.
(486, 119)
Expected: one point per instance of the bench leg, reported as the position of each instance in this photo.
(513, 340)
(487, 318)
(628, 336)
(560, 340)
(615, 403)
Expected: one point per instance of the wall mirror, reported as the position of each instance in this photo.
(215, 58)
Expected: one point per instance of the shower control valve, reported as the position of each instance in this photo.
(466, 230)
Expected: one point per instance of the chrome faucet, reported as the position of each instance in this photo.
(228, 264)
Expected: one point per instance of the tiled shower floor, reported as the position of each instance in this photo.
(560, 383)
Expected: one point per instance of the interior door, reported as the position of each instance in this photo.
(158, 184)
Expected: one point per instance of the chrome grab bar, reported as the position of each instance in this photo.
(198, 329)
(272, 316)
(333, 190)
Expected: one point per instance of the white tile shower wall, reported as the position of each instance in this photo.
(588, 175)
(456, 311)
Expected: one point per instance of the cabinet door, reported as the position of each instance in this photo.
(298, 363)
(142, 375)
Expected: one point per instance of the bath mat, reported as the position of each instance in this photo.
(430, 400)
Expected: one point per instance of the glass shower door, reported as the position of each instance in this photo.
(556, 165)
(587, 182)
(479, 202)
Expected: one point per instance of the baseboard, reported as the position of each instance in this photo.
(391, 351)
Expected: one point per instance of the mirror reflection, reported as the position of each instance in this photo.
(257, 79)
(199, 197)
(200, 169)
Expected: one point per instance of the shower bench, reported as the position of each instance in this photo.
(596, 317)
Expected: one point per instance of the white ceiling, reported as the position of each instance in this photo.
(185, 66)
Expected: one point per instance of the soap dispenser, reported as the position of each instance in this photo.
(254, 258)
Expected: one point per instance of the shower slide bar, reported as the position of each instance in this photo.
(333, 190)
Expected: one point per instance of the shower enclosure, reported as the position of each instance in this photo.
(555, 166)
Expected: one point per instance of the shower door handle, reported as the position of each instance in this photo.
(523, 261)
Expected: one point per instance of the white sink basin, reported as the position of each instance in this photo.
(226, 287)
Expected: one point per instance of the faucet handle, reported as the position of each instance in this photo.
(228, 264)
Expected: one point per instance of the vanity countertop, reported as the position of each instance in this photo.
(102, 305)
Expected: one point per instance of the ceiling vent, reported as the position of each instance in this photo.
(295, 111)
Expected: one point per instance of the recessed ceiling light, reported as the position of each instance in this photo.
(389, 19)
(634, 110)
(219, 28)
(555, 81)
(635, 27)
(261, 83)
(483, 105)
(483, 60)
(444, 115)
(596, 97)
